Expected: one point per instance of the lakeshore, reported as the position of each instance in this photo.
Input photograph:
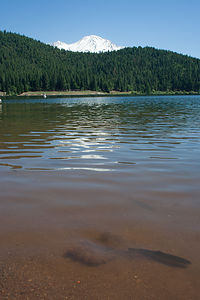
(88, 93)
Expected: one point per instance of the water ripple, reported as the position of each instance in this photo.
(121, 133)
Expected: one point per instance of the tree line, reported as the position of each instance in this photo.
(29, 65)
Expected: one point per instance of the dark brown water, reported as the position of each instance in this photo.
(94, 178)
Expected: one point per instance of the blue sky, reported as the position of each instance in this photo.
(173, 25)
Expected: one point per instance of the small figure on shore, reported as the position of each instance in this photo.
(44, 96)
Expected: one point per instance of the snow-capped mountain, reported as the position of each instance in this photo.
(90, 43)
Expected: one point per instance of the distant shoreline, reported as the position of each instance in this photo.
(72, 93)
(88, 93)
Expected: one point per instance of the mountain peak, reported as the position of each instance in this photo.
(89, 43)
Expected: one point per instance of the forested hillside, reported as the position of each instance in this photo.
(29, 65)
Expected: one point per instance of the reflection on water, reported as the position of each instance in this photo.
(100, 134)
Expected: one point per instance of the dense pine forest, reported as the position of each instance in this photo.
(29, 65)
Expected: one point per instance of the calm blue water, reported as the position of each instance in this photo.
(130, 134)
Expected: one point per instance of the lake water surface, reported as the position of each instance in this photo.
(77, 173)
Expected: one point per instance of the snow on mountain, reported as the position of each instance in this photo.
(90, 43)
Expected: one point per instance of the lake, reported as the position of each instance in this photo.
(100, 198)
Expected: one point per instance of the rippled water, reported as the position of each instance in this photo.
(101, 134)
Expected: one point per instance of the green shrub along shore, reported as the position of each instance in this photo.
(27, 65)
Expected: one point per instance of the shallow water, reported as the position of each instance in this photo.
(73, 169)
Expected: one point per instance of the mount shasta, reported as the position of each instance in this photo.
(90, 43)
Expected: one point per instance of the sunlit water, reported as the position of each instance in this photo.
(101, 134)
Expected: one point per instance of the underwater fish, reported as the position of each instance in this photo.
(95, 254)
(161, 257)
